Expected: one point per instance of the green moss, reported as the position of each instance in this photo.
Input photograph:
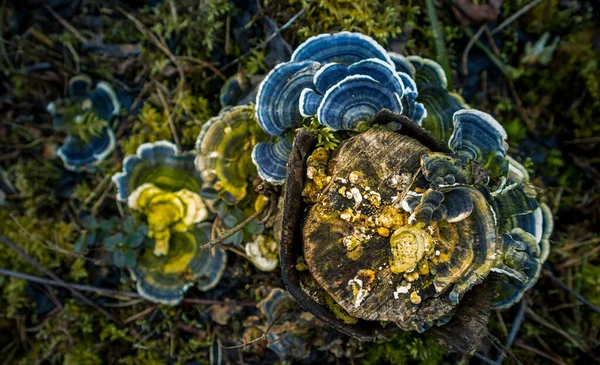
(339, 311)
(34, 179)
(83, 354)
(152, 124)
(325, 136)
(378, 19)
(402, 348)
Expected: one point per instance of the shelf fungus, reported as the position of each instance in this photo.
(162, 187)
(342, 80)
(239, 89)
(263, 251)
(85, 115)
(289, 332)
(224, 149)
(412, 232)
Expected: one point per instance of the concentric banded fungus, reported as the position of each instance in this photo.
(224, 149)
(163, 186)
(165, 279)
(271, 159)
(343, 80)
(85, 105)
(166, 211)
(160, 164)
(405, 228)
(239, 89)
(290, 333)
(342, 47)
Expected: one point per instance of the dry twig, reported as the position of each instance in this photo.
(73, 291)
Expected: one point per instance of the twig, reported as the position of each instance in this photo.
(94, 193)
(503, 350)
(266, 41)
(501, 322)
(66, 24)
(514, 330)
(465, 55)
(110, 292)
(158, 43)
(73, 291)
(204, 64)
(230, 232)
(576, 259)
(524, 346)
(522, 112)
(564, 286)
(140, 314)
(485, 359)
(237, 252)
(218, 302)
(515, 16)
(2, 47)
(98, 203)
(550, 326)
(167, 114)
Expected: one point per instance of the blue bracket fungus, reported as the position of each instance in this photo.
(412, 225)
(163, 188)
(343, 80)
(85, 114)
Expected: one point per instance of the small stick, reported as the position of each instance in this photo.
(503, 350)
(109, 292)
(514, 330)
(564, 286)
(98, 203)
(524, 346)
(266, 41)
(94, 193)
(230, 232)
(167, 113)
(576, 259)
(140, 314)
(550, 326)
(66, 24)
(515, 16)
(465, 55)
(73, 291)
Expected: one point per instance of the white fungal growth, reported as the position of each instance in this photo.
(357, 197)
(401, 289)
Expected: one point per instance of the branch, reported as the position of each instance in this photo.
(109, 292)
(49, 273)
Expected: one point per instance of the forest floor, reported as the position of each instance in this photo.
(533, 65)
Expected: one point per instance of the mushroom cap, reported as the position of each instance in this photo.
(77, 154)
(271, 159)
(158, 163)
(347, 95)
(165, 279)
(239, 89)
(402, 64)
(344, 47)
(279, 93)
(479, 137)
(355, 99)
(224, 148)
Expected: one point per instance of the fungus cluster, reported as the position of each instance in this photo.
(162, 187)
(417, 205)
(393, 228)
(85, 108)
